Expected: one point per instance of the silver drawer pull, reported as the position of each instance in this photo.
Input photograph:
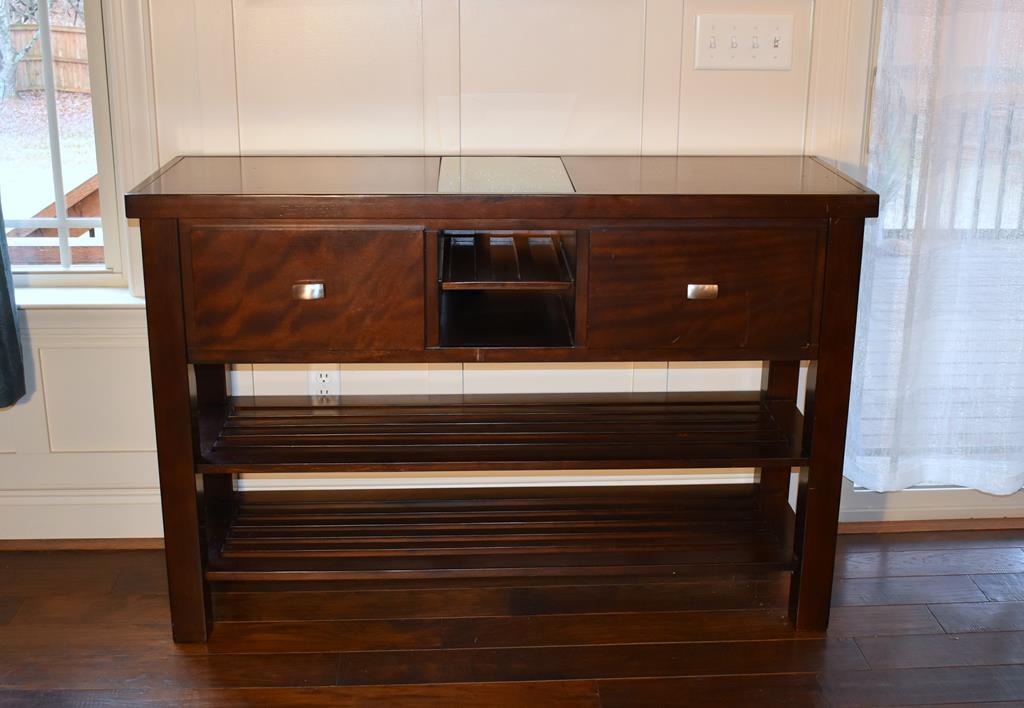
(702, 291)
(308, 291)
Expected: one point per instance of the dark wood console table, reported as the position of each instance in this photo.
(428, 259)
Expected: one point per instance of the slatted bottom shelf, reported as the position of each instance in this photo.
(510, 536)
(474, 432)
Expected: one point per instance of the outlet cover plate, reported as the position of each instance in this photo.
(324, 380)
(744, 42)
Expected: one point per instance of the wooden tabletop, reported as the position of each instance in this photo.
(500, 187)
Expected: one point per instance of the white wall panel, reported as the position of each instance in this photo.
(547, 378)
(330, 76)
(380, 379)
(444, 378)
(758, 112)
(714, 376)
(650, 376)
(441, 76)
(194, 77)
(97, 399)
(23, 426)
(284, 379)
(240, 380)
(551, 76)
(662, 66)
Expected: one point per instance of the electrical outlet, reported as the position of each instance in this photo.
(325, 381)
(744, 42)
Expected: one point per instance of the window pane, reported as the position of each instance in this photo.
(26, 179)
(74, 108)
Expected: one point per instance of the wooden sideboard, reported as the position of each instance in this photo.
(477, 259)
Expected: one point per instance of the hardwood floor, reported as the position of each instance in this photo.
(919, 619)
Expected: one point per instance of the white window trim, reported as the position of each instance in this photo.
(99, 38)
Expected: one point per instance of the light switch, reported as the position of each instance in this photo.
(745, 50)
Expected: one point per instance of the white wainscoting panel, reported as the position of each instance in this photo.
(105, 513)
(97, 399)
(329, 76)
(552, 76)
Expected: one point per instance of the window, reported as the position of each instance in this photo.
(56, 187)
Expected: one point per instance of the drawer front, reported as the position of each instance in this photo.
(276, 288)
(763, 286)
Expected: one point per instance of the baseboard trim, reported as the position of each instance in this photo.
(850, 527)
(82, 544)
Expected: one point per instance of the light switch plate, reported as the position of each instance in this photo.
(744, 42)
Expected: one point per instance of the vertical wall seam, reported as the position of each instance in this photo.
(234, 68)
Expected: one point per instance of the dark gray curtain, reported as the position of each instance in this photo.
(12, 369)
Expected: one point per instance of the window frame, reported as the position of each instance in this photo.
(111, 273)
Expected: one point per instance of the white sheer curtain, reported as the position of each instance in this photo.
(938, 392)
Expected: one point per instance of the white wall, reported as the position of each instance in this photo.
(396, 76)
(476, 76)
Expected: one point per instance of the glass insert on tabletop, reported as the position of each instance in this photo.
(503, 175)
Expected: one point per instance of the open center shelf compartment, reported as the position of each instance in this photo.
(615, 535)
(507, 288)
(463, 432)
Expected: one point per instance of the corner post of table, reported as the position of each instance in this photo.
(779, 382)
(172, 405)
(828, 395)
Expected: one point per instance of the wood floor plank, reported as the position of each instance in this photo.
(594, 662)
(97, 635)
(523, 631)
(567, 694)
(111, 562)
(178, 671)
(51, 581)
(8, 608)
(792, 690)
(114, 638)
(980, 616)
(120, 698)
(564, 694)
(127, 609)
(142, 578)
(870, 621)
(1001, 587)
(501, 601)
(913, 652)
(890, 564)
(930, 540)
(905, 591)
(921, 687)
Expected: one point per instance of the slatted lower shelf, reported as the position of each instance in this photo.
(474, 432)
(684, 531)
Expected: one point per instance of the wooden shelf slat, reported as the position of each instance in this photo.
(310, 536)
(520, 261)
(600, 431)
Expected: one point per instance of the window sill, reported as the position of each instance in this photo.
(97, 298)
